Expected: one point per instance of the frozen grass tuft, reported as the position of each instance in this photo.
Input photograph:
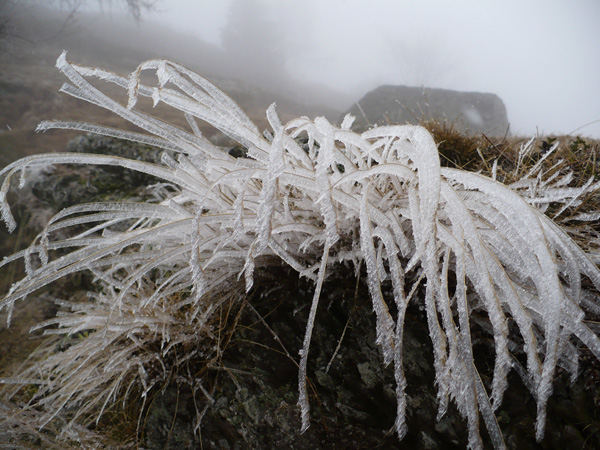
(381, 200)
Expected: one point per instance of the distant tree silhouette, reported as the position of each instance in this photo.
(9, 9)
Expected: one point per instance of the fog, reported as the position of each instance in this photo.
(541, 58)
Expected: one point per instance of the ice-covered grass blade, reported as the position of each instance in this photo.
(317, 198)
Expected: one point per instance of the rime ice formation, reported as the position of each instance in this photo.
(341, 201)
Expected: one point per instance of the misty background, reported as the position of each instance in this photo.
(318, 57)
(541, 57)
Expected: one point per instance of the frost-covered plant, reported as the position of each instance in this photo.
(317, 198)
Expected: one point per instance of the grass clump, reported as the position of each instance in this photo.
(456, 148)
(318, 199)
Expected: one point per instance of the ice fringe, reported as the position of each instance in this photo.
(170, 265)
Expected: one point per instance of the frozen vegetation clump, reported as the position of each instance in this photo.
(317, 198)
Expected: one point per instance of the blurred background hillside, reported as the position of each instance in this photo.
(35, 34)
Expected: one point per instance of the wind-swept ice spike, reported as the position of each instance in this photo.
(460, 365)
(107, 131)
(248, 269)
(400, 422)
(402, 241)
(116, 211)
(562, 241)
(349, 139)
(440, 347)
(296, 151)
(219, 96)
(183, 140)
(325, 159)
(84, 90)
(274, 119)
(87, 158)
(303, 394)
(524, 150)
(193, 124)
(347, 122)
(385, 323)
(585, 189)
(163, 73)
(163, 258)
(569, 355)
(381, 269)
(482, 281)
(269, 194)
(289, 259)
(134, 82)
(303, 190)
(238, 216)
(466, 347)
(539, 163)
(79, 260)
(292, 130)
(427, 164)
(7, 216)
(207, 106)
(396, 270)
(522, 317)
(544, 273)
(397, 276)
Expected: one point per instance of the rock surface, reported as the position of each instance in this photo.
(473, 112)
(353, 404)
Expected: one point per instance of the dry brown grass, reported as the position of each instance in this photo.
(477, 152)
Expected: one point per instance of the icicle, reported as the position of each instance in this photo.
(268, 194)
(248, 269)
(198, 276)
(385, 323)
(303, 396)
(325, 159)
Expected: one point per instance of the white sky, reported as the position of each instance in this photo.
(542, 57)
